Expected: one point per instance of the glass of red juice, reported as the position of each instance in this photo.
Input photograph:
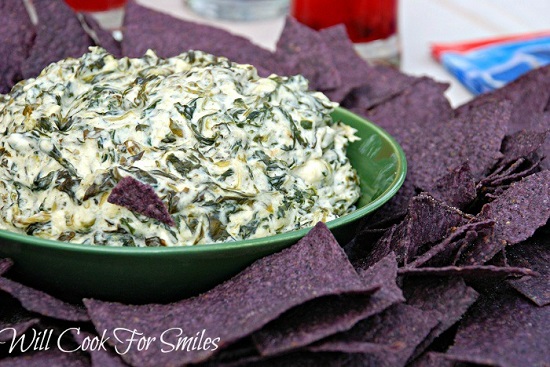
(371, 24)
(108, 13)
(95, 5)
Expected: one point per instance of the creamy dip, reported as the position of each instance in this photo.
(232, 155)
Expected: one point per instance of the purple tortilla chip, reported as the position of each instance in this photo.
(545, 120)
(140, 198)
(59, 35)
(528, 94)
(502, 177)
(475, 139)
(427, 221)
(518, 212)
(14, 319)
(457, 188)
(418, 107)
(447, 298)
(302, 51)
(503, 329)
(380, 250)
(352, 68)
(237, 354)
(323, 317)
(381, 84)
(144, 29)
(521, 144)
(16, 36)
(5, 265)
(444, 252)
(400, 327)
(361, 244)
(309, 359)
(316, 266)
(42, 303)
(100, 36)
(99, 357)
(433, 359)
(533, 254)
(51, 357)
(521, 159)
(394, 210)
(470, 271)
(372, 84)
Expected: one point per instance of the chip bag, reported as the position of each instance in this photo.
(488, 64)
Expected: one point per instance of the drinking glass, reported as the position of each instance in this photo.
(371, 24)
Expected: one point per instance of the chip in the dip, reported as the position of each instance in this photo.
(226, 155)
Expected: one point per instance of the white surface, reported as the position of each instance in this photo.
(421, 23)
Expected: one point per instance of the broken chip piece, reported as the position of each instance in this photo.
(140, 198)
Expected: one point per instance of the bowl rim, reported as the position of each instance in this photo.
(242, 244)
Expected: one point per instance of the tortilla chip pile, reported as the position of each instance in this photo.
(453, 271)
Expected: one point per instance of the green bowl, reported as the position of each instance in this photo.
(144, 275)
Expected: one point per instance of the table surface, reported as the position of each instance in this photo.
(421, 23)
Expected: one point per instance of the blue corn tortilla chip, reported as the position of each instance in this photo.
(468, 271)
(378, 251)
(447, 298)
(37, 301)
(316, 266)
(529, 96)
(371, 84)
(51, 357)
(475, 138)
(522, 157)
(427, 221)
(100, 36)
(309, 359)
(140, 198)
(361, 244)
(517, 213)
(434, 359)
(301, 50)
(419, 106)
(401, 327)
(99, 357)
(503, 176)
(144, 29)
(14, 319)
(533, 254)
(503, 329)
(5, 265)
(445, 252)
(394, 210)
(238, 354)
(59, 35)
(320, 318)
(457, 188)
(16, 36)
(522, 144)
(352, 69)
(381, 84)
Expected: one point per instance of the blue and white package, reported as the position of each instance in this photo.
(483, 66)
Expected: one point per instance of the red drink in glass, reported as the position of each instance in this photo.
(95, 5)
(365, 20)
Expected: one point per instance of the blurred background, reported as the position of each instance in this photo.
(409, 28)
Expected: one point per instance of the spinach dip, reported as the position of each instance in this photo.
(231, 155)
